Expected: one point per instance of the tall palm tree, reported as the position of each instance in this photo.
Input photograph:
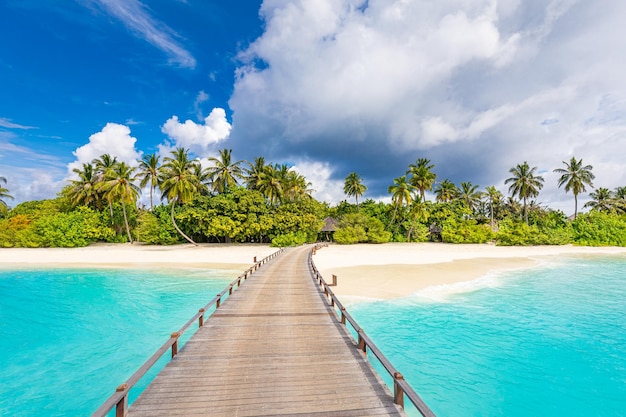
(524, 184)
(493, 197)
(353, 187)
(179, 183)
(254, 172)
(118, 185)
(102, 165)
(224, 173)
(83, 190)
(401, 193)
(422, 176)
(620, 199)
(602, 200)
(446, 191)
(149, 173)
(4, 193)
(575, 176)
(468, 194)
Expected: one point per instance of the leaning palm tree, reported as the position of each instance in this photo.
(4, 193)
(422, 176)
(575, 176)
(149, 173)
(83, 190)
(602, 200)
(401, 193)
(446, 191)
(353, 186)
(493, 197)
(524, 184)
(179, 183)
(224, 173)
(118, 186)
(295, 186)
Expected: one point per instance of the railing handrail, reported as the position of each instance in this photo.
(119, 399)
(401, 386)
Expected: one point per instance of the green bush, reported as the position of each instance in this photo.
(466, 231)
(290, 239)
(154, 231)
(518, 233)
(359, 228)
(599, 229)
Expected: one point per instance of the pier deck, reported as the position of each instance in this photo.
(273, 348)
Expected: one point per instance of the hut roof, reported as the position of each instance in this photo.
(330, 224)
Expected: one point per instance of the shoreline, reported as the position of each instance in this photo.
(365, 271)
(396, 270)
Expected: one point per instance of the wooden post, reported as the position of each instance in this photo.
(334, 284)
(175, 345)
(122, 406)
(230, 290)
(343, 316)
(362, 345)
(398, 393)
(254, 259)
(201, 318)
(219, 301)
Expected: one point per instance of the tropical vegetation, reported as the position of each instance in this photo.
(224, 200)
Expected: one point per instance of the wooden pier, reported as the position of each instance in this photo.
(274, 347)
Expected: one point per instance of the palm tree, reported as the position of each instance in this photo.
(295, 186)
(401, 192)
(575, 176)
(149, 173)
(83, 190)
(4, 193)
(224, 173)
(102, 165)
(353, 186)
(118, 185)
(602, 200)
(179, 183)
(269, 184)
(468, 194)
(493, 196)
(446, 191)
(254, 173)
(619, 196)
(422, 176)
(524, 183)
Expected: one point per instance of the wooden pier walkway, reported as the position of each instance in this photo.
(273, 348)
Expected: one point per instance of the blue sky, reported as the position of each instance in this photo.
(330, 86)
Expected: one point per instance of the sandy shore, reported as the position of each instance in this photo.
(398, 270)
(373, 271)
(214, 256)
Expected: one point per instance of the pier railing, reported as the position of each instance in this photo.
(400, 386)
(119, 399)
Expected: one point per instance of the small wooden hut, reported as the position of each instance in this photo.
(329, 228)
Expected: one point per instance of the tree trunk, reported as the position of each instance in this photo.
(177, 228)
(130, 239)
(575, 206)
(525, 212)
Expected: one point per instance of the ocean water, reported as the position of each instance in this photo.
(69, 337)
(547, 341)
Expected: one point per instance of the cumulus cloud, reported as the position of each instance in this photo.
(369, 86)
(114, 139)
(199, 138)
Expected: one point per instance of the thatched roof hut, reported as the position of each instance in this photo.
(330, 224)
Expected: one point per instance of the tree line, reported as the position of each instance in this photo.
(227, 200)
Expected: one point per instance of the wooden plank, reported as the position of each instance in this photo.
(273, 348)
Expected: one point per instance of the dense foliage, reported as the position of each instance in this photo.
(270, 203)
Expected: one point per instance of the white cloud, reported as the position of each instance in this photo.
(134, 14)
(114, 139)
(9, 124)
(369, 86)
(319, 175)
(199, 138)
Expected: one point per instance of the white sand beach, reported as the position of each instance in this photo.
(395, 270)
(214, 256)
(374, 271)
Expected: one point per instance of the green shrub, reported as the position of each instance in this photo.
(291, 239)
(359, 228)
(599, 229)
(466, 231)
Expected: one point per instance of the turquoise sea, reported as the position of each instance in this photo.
(547, 341)
(69, 337)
